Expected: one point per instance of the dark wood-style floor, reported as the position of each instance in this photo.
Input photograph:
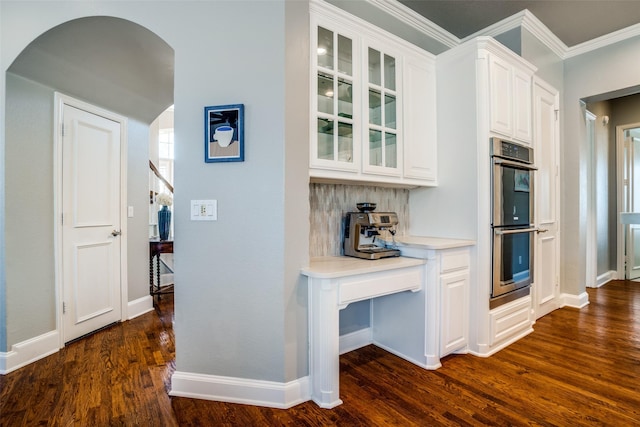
(579, 367)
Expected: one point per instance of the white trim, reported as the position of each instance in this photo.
(355, 340)
(485, 350)
(575, 301)
(603, 41)
(605, 278)
(592, 214)
(139, 306)
(240, 390)
(29, 351)
(416, 21)
(60, 100)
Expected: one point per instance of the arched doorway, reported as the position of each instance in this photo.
(109, 62)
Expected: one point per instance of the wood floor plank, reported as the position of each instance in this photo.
(578, 368)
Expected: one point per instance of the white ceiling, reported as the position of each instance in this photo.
(572, 21)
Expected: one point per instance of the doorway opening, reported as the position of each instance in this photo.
(628, 183)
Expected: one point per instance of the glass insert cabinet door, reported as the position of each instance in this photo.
(382, 110)
(335, 97)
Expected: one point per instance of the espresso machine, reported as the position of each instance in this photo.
(366, 233)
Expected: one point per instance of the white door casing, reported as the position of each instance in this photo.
(631, 199)
(547, 247)
(90, 196)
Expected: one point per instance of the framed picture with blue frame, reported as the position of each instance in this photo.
(224, 133)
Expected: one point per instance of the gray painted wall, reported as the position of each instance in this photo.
(29, 215)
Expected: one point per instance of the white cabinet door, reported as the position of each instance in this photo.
(420, 133)
(510, 100)
(501, 95)
(547, 254)
(334, 99)
(454, 326)
(522, 117)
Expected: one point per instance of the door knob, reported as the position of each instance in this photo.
(116, 233)
(541, 230)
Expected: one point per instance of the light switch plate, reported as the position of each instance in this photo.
(129, 211)
(204, 210)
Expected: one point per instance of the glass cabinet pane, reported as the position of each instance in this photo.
(345, 99)
(375, 107)
(325, 48)
(389, 72)
(375, 70)
(345, 55)
(375, 148)
(390, 111)
(325, 139)
(345, 142)
(390, 150)
(325, 94)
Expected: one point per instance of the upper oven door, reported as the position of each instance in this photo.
(512, 193)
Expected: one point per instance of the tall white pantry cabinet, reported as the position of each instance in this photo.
(484, 90)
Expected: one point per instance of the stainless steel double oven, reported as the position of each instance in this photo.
(512, 224)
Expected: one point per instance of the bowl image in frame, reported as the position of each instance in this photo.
(224, 135)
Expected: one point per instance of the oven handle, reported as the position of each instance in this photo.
(499, 161)
(498, 231)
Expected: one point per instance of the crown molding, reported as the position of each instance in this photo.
(525, 19)
(602, 41)
(416, 21)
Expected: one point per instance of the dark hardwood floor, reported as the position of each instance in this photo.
(579, 368)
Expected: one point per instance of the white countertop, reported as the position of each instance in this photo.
(436, 243)
(331, 267)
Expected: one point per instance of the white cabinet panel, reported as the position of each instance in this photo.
(510, 100)
(454, 324)
(420, 133)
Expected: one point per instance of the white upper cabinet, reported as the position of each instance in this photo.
(372, 104)
(510, 99)
(332, 147)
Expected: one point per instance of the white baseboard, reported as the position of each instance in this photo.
(139, 307)
(239, 390)
(605, 278)
(575, 301)
(29, 351)
(355, 340)
(485, 350)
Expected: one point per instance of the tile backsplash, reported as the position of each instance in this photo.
(330, 202)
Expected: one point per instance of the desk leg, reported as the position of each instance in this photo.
(158, 273)
(151, 290)
(324, 331)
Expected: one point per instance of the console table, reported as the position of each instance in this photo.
(157, 247)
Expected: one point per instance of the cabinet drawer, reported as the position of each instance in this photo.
(510, 319)
(452, 260)
(378, 284)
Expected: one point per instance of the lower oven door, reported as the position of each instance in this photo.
(512, 260)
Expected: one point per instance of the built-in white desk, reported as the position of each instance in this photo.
(334, 283)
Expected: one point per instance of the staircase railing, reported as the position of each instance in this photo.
(160, 177)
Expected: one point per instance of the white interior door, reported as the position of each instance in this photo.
(546, 260)
(91, 244)
(632, 201)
